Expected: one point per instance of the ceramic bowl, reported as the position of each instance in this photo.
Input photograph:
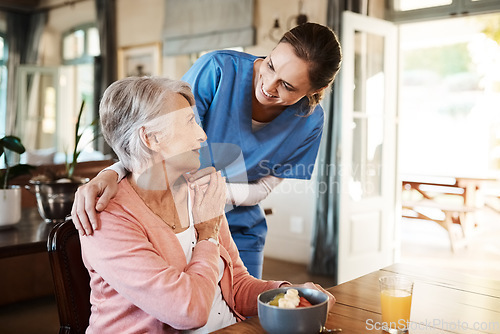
(302, 320)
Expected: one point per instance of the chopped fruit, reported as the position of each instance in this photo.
(290, 299)
(275, 301)
(304, 302)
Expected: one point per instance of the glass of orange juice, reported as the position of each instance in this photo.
(395, 299)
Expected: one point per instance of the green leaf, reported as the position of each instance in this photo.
(12, 172)
(21, 169)
(12, 143)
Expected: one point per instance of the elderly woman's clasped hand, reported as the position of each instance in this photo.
(208, 204)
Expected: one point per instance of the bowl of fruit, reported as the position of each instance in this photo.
(292, 310)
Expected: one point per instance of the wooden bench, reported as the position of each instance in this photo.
(446, 215)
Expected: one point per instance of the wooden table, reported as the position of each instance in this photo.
(443, 303)
(466, 187)
(435, 194)
(26, 237)
(24, 260)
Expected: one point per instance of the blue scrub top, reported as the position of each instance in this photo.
(222, 83)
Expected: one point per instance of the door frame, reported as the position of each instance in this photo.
(352, 261)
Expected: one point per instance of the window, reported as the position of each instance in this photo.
(3, 82)
(406, 5)
(79, 47)
(80, 44)
(449, 95)
(418, 10)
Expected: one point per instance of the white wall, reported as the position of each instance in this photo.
(139, 22)
(291, 224)
(267, 11)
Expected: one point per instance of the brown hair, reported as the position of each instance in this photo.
(319, 47)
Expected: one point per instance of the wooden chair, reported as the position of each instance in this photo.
(71, 278)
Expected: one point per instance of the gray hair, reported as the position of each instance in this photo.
(131, 103)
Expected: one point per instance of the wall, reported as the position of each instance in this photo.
(285, 10)
(139, 22)
(265, 12)
(59, 21)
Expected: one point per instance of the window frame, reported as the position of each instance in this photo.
(3, 83)
(456, 8)
(86, 58)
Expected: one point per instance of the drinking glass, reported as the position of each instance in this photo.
(395, 299)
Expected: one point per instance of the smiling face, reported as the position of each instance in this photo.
(282, 78)
(179, 140)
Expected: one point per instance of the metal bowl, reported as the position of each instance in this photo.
(302, 320)
(55, 199)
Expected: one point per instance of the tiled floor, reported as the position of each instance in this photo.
(426, 243)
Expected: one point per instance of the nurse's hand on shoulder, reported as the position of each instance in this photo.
(208, 206)
(102, 189)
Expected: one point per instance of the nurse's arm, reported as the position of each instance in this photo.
(248, 194)
(95, 196)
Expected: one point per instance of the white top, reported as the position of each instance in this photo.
(256, 125)
(220, 313)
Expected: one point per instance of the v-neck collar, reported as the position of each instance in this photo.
(253, 140)
(146, 208)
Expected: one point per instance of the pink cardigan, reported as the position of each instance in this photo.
(141, 282)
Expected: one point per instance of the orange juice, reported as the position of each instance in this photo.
(396, 306)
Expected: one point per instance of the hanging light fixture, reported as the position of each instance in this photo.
(301, 18)
(276, 31)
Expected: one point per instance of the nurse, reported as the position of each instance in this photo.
(269, 109)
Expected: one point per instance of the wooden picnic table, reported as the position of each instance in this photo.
(433, 190)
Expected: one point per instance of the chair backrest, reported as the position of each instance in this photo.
(71, 278)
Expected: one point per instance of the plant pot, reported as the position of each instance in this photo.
(10, 206)
(55, 198)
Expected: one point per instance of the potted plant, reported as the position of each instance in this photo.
(55, 192)
(10, 196)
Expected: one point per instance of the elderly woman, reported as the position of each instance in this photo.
(164, 260)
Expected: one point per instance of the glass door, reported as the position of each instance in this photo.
(367, 239)
(36, 117)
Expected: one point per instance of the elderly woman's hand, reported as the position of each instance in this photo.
(201, 176)
(311, 285)
(208, 206)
